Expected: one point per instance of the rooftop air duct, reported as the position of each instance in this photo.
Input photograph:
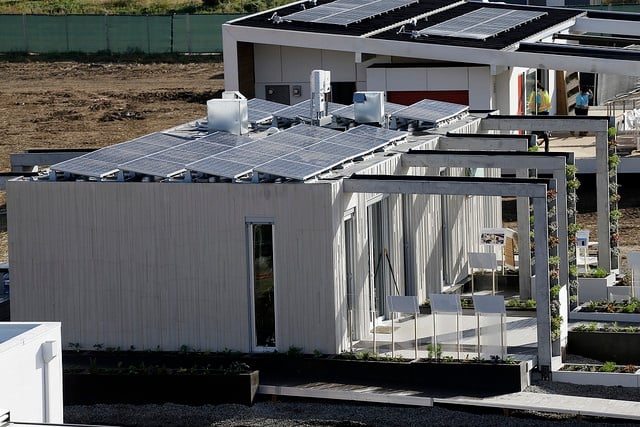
(228, 114)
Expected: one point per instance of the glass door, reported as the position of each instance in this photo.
(262, 286)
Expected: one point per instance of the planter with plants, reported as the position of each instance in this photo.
(608, 311)
(606, 341)
(366, 368)
(594, 285)
(607, 374)
(142, 384)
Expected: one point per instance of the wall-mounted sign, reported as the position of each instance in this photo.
(582, 239)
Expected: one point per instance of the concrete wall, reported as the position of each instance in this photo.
(31, 367)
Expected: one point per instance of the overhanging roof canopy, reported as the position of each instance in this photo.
(410, 30)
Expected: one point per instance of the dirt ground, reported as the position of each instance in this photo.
(91, 105)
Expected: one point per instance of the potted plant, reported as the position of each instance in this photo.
(593, 285)
(606, 341)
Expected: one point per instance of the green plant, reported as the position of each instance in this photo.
(608, 367)
(434, 351)
(294, 351)
(614, 160)
(573, 184)
(571, 170)
(556, 322)
(98, 347)
(75, 346)
(597, 273)
(615, 215)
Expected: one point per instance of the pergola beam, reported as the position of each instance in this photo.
(596, 124)
(534, 188)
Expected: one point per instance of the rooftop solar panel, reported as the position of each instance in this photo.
(302, 110)
(161, 139)
(225, 138)
(377, 132)
(261, 110)
(268, 146)
(220, 167)
(86, 167)
(347, 112)
(201, 147)
(246, 157)
(140, 147)
(112, 155)
(341, 12)
(345, 151)
(482, 23)
(154, 167)
(178, 156)
(316, 158)
(365, 143)
(429, 110)
(290, 169)
(317, 132)
(290, 139)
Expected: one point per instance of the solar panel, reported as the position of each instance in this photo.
(112, 155)
(225, 138)
(345, 151)
(261, 110)
(429, 110)
(290, 139)
(161, 139)
(377, 132)
(366, 144)
(316, 158)
(345, 12)
(290, 169)
(154, 167)
(178, 156)
(246, 157)
(303, 110)
(201, 147)
(268, 146)
(347, 112)
(86, 167)
(482, 23)
(220, 167)
(140, 147)
(316, 132)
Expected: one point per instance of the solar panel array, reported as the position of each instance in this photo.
(300, 152)
(345, 12)
(347, 112)
(302, 110)
(431, 111)
(261, 110)
(482, 23)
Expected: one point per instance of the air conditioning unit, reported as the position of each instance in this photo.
(368, 107)
(228, 114)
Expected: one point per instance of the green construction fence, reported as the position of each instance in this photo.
(112, 33)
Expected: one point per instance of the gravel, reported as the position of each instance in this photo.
(291, 412)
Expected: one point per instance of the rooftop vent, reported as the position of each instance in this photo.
(368, 107)
(228, 114)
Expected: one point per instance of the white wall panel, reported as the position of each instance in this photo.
(406, 79)
(341, 64)
(268, 63)
(481, 86)
(447, 78)
(298, 63)
(377, 79)
(165, 265)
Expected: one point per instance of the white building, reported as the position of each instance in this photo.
(31, 371)
(485, 55)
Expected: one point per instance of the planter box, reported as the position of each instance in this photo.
(89, 389)
(468, 376)
(595, 316)
(594, 289)
(597, 378)
(616, 290)
(619, 347)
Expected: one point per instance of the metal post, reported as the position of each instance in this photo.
(373, 313)
(393, 340)
(415, 333)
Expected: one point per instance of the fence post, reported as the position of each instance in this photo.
(24, 32)
(106, 32)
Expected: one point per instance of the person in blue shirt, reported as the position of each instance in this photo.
(582, 103)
